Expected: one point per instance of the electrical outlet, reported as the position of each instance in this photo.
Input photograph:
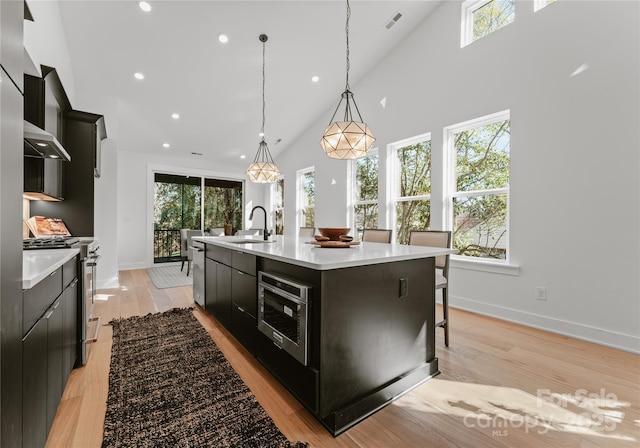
(541, 293)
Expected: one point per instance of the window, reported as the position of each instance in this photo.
(306, 197)
(277, 199)
(180, 204)
(539, 4)
(411, 185)
(482, 17)
(365, 188)
(479, 156)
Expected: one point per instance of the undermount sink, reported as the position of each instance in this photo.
(252, 241)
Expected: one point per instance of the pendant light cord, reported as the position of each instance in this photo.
(263, 84)
(346, 28)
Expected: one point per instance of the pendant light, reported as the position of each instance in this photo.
(263, 169)
(347, 139)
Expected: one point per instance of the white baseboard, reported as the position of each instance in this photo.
(131, 266)
(620, 341)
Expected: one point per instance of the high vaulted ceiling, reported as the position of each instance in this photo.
(217, 88)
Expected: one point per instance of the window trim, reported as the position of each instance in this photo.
(466, 21)
(450, 184)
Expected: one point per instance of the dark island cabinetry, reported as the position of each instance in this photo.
(230, 291)
(345, 331)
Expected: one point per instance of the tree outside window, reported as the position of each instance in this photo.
(482, 17)
(277, 195)
(412, 192)
(481, 153)
(366, 192)
(306, 197)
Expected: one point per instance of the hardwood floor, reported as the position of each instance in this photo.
(502, 385)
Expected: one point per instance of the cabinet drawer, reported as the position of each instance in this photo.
(244, 328)
(69, 271)
(243, 262)
(219, 254)
(244, 292)
(36, 300)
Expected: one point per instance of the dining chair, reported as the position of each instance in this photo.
(437, 238)
(216, 231)
(307, 231)
(186, 252)
(377, 235)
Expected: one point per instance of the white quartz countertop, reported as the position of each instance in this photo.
(298, 251)
(38, 263)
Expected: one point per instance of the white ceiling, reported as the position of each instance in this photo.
(217, 88)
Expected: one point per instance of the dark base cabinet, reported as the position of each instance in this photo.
(302, 381)
(369, 342)
(231, 292)
(244, 308)
(370, 330)
(50, 349)
(34, 386)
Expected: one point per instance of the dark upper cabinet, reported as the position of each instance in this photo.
(43, 178)
(83, 134)
(11, 46)
(46, 102)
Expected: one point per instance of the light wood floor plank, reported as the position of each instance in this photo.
(495, 376)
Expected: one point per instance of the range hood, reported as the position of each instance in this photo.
(40, 143)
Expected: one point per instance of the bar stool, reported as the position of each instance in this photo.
(437, 238)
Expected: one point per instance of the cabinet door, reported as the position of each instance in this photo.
(243, 327)
(34, 386)
(210, 292)
(11, 46)
(70, 329)
(223, 292)
(54, 359)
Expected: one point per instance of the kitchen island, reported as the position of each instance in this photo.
(367, 326)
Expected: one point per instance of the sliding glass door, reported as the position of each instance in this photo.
(179, 204)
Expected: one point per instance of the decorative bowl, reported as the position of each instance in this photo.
(321, 238)
(346, 238)
(333, 232)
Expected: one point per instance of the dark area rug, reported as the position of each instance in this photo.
(170, 386)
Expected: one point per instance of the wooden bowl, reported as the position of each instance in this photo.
(346, 238)
(333, 232)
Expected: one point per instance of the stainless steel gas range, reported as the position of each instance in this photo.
(88, 324)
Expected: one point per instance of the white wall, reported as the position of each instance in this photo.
(135, 200)
(46, 44)
(575, 193)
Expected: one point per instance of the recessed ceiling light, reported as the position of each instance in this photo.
(223, 38)
(243, 156)
(146, 7)
(166, 145)
(139, 76)
(260, 134)
(315, 78)
(175, 116)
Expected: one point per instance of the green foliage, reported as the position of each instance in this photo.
(178, 206)
(482, 163)
(415, 180)
(492, 16)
